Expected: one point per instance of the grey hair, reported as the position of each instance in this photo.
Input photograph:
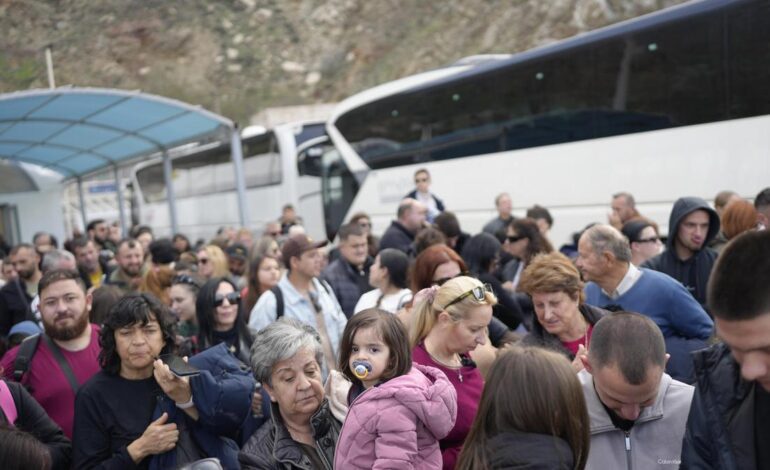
(607, 238)
(628, 197)
(52, 259)
(279, 341)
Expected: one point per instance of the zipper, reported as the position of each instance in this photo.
(628, 449)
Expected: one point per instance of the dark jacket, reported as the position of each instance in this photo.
(528, 451)
(347, 282)
(222, 395)
(14, 305)
(538, 336)
(720, 428)
(506, 309)
(272, 447)
(692, 273)
(398, 237)
(31, 418)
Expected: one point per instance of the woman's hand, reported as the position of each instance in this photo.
(177, 388)
(159, 437)
(577, 363)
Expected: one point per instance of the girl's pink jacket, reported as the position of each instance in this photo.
(397, 425)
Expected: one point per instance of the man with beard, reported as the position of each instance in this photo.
(66, 355)
(99, 232)
(128, 275)
(88, 261)
(16, 296)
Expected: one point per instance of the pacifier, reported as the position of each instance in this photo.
(361, 369)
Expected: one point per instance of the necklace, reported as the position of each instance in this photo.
(459, 368)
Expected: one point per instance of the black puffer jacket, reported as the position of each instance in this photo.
(272, 447)
(540, 337)
(720, 428)
(526, 451)
(693, 273)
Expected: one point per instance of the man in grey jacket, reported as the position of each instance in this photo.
(638, 412)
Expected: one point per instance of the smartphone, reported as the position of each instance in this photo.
(178, 366)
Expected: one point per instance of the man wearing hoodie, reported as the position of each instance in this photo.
(693, 223)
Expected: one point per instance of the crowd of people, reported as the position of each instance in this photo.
(427, 347)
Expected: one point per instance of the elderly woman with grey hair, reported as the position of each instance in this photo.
(286, 359)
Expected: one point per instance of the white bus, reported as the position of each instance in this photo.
(671, 104)
(277, 172)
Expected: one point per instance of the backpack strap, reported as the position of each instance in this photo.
(63, 364)
(278, 301)
(7, 404)
(27, 350)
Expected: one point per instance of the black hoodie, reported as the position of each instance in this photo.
(694, 272)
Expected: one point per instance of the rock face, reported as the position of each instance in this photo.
(240, 56)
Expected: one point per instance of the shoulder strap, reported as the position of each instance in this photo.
(278, 301)
(325, 285)
(27, 350)
(7, 404)
(30, 315)
(63, 364)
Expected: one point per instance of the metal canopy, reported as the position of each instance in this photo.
(81, 131)
(77, 131)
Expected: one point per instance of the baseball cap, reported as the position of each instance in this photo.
(237, 250)
(297, 245)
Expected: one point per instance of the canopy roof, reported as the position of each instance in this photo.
(77, 131)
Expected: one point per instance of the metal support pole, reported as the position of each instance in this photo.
(82, 204)
(236, 153)
(49, 66)
(121, 202)
(170, 192)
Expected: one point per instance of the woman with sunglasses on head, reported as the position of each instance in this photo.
(448, 323)
(220, 319)
(434, 267)
(482, 254)
(184, 294)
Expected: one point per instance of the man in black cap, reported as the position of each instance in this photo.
(237, 260)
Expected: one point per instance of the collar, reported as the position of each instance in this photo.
(291, 295)
(600, 420)
(284, 447)
(632, 275)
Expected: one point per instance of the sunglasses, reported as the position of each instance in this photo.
(184, 279)
(232, 299)
(515, 238)
(479, 293)
(443, 280)
(648, 240)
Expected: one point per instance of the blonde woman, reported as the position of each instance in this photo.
(212, 262)
(446, 326)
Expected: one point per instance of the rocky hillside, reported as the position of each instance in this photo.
(239, 56)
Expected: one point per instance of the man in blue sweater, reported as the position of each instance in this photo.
(604, 259)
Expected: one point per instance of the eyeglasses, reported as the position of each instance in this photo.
(232, 299)
(203, 260)
(479, 293)
(443, 280)
(649, 240)
(515, 238)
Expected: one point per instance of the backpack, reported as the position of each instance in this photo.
(279, 305)
(7, 405)
(27, 350)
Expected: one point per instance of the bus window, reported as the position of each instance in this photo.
(261, 161)
(748, 60)
(309, 161)
(339, 188)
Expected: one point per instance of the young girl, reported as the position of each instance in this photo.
(398, 410)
